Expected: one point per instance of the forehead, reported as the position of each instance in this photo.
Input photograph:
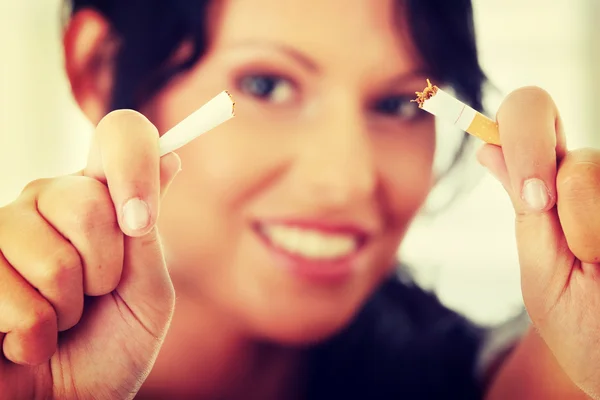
(345, 31)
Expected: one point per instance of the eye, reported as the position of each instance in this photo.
(398, 107)
(272, 88)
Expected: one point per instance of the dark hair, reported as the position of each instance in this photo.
(442, 31)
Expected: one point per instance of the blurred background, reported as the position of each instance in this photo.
(466, 254)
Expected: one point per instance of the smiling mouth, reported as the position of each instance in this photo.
(312, 244)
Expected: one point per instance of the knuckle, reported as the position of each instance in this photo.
(39, 318)
(36, 186)
(95, 207)
(15, 219)
(89, 203)
(60, 266)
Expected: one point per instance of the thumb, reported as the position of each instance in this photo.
(578, 187)
(145, 284)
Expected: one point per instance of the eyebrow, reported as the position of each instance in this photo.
(289, 51)
(409, 76)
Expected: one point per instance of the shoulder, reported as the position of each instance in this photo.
(403, 344)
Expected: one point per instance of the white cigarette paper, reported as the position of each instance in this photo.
(441, 104)
(206, 118)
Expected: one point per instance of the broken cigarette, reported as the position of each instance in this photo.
(441, 104)
(206, 118)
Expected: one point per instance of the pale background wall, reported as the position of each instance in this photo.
(466, 254)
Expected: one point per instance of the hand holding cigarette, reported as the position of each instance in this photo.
(94, 235)
(555, 196)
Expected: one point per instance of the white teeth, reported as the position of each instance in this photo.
(310, 243)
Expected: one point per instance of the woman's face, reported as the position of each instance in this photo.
(288, 216)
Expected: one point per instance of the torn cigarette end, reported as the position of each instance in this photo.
(441, 104)
(219, 109)
(426, 94)
(232, 102)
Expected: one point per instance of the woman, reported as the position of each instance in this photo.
(280, 232)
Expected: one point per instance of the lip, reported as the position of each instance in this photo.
(316, 271)
(318, 225)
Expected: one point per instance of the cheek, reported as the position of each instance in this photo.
(206, 212)
(406, 171)
(231, 164)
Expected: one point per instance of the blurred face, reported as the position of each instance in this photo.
(287, 217)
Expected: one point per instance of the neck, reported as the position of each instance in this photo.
(207, 356)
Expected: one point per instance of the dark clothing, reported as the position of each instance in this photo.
(404, 344)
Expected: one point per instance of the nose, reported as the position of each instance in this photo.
(334, 164)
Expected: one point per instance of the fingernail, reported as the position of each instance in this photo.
(535, 194)
(136, 214)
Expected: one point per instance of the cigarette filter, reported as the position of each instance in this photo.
(441, 104)
(207, 117)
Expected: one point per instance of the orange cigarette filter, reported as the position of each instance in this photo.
(443, 105)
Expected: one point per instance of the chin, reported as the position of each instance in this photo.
(303, 334)
(301, 329)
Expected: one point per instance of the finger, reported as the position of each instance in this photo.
(145, 284)
(531, 142)
(491, 157)
(578, 203)
(48, 262)
(28, 321)
(125, 156)
(81, 209)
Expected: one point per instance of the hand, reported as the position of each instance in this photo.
(556, 197)
(64, 238)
